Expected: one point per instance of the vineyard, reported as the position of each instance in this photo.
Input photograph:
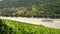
(14, 27)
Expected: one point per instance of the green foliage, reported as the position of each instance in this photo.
(14, 27)
(50, 8)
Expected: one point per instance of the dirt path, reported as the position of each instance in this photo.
(53, 23)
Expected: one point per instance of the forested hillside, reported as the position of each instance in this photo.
(30, 8)
(14, 3)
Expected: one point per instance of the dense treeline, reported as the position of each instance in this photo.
(38, 8)
(14, 3)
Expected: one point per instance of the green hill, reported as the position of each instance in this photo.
(14, 27)
(14, 3)
(38, 8)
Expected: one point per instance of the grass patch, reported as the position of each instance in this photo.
(14, 27)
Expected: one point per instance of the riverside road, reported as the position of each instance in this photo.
(48, 22)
